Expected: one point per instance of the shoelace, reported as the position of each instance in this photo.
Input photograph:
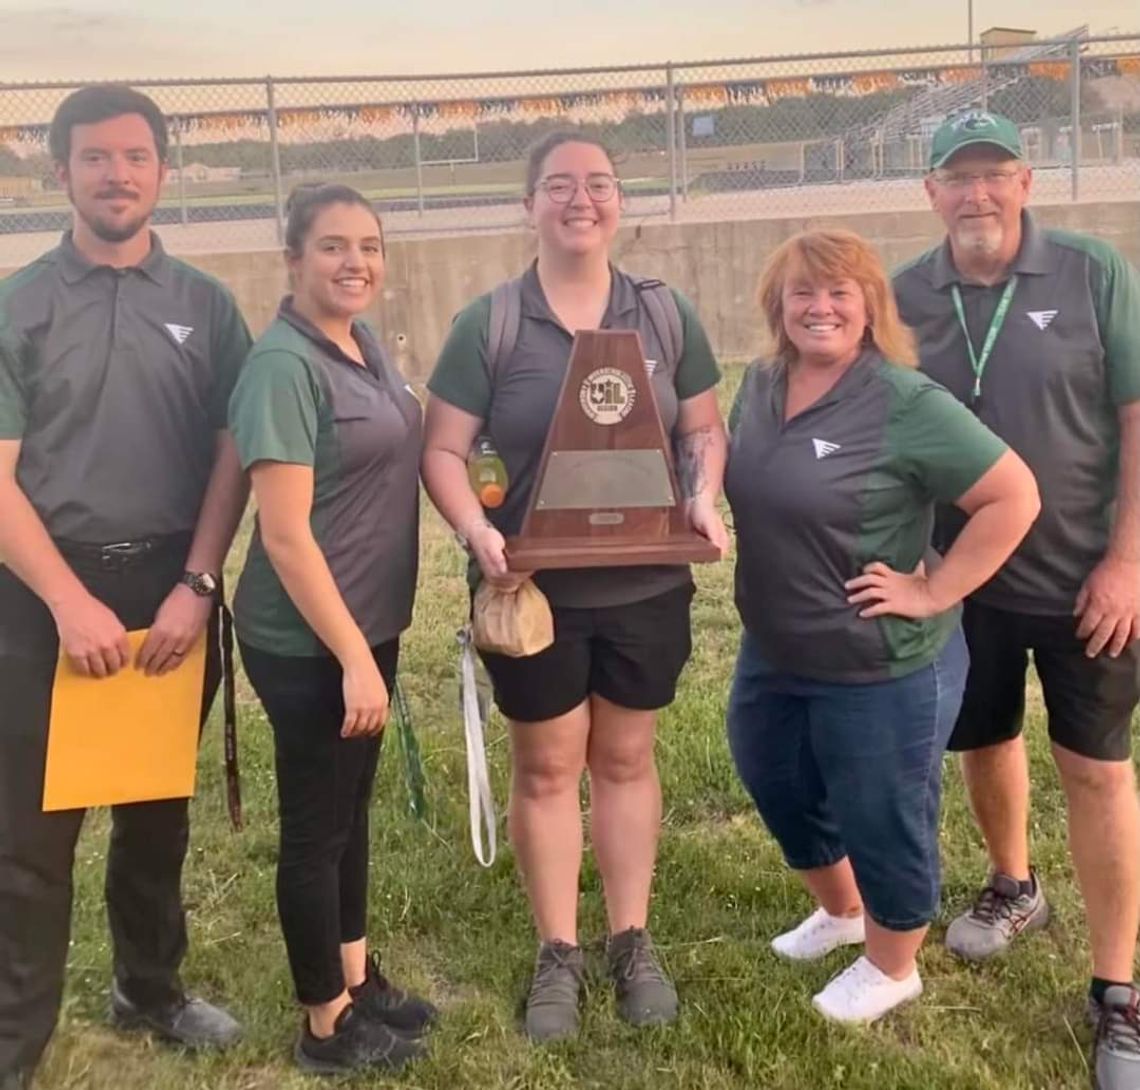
(640, 957)
(553, 960)
(382, 983)
(809, 930)
(855, 977)
(992, 905)
(1120, 1027)
(819, 923)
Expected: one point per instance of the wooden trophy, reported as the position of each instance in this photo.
(606, 493)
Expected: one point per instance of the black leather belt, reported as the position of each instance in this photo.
(118, 555)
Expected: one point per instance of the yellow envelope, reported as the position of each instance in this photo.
(127, 738)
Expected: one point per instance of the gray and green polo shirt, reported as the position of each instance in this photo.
(518, 407)
(116, 382)
(850, 480)
(300, 400)
(1066, 358)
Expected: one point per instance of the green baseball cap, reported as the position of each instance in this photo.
(975, 127)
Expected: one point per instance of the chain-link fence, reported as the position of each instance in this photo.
(768, 137)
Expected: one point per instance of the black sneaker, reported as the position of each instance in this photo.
(357, 1043)
(379, 999)
(189, 1022)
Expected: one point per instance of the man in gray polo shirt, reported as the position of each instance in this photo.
(120, 490)
(1039, 332)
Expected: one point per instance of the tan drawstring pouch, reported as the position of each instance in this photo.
(515, 622)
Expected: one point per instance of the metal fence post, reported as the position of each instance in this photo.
(419, 158)
(1075, 116)
(275, 159)
(682, 148)
(671, 137)
(181, 170)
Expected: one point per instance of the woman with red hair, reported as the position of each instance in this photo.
(852, 661)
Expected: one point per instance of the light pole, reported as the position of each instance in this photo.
(970, 28)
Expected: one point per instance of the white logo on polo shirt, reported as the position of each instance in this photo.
(1041, 318)
(823, 448)
(179, 332)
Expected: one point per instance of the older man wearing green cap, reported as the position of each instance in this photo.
(1039, 332)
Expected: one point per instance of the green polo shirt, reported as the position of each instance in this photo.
(850, 480)
(1066, 359)
(302, 401)
(116, 382)
(518, 409)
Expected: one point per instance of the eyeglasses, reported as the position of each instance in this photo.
(560, 188)
(991, 179)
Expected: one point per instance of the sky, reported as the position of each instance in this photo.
(43, 40)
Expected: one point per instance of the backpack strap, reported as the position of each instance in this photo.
(664, 315)
(503, 324)
(506, 316)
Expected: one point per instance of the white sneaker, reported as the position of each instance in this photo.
(818, 935)
(863, 992)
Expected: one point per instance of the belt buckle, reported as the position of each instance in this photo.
(119, 553)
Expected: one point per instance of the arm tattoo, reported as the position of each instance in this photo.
(691, 450)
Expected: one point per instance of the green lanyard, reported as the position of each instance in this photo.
(978, 363)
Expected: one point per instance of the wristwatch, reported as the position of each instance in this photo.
(202, 583)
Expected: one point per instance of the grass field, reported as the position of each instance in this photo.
(463, 936)
(638, 171)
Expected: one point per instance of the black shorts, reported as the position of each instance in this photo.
(631, 655)
(1089, 701)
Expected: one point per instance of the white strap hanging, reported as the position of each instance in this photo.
(480, 803)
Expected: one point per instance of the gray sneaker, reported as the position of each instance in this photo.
(996, 918)
(645, 995)
(552, 1005)
(189, 1022)
(1116, 1050)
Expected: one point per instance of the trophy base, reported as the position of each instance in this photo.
(540, 554)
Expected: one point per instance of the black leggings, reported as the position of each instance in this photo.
(324, 784)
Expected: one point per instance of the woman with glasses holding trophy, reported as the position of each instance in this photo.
(589, 701)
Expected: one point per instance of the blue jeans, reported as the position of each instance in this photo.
(852, 770)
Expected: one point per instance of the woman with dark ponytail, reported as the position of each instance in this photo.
(330, 434)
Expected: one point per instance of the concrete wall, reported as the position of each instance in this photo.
(715, 264)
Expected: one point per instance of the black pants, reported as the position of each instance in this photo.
(324, 785)
(37, 849)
